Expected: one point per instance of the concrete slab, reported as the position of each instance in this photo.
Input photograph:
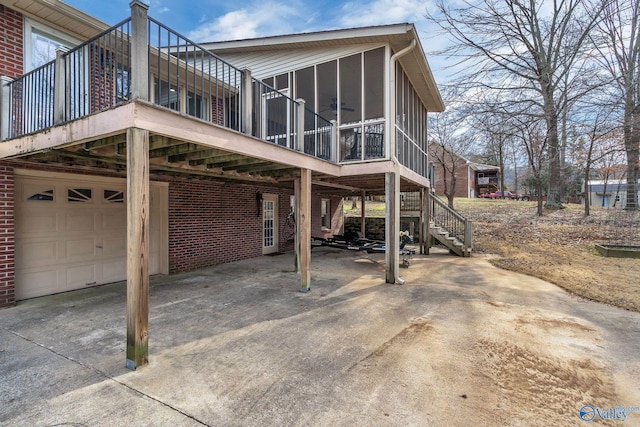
(237, 344)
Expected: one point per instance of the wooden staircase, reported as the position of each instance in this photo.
(449, 227)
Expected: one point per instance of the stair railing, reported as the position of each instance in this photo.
(452, 222)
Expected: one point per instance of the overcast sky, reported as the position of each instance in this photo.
(217, 20)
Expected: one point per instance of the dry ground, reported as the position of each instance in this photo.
(558, 247)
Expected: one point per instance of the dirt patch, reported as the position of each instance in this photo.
(558, 247)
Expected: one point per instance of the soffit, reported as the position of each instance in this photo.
(398, 36)
(59, 15)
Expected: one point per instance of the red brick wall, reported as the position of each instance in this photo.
(11, 58)
(336, 208)
(7, 240)
(462, 181)
(210, 222)
(214, 222)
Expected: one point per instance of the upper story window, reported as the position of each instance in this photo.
(41, 43)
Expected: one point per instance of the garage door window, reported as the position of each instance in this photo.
(114, 196)
(79, 195)
(46, 195)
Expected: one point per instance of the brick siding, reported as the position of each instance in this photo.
(210, 222)
(215, 222)
(11, 53)
(7, 238)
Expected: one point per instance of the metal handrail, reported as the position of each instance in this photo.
(451, 221)
(31, 101)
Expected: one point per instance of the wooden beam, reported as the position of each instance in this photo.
(296, 244)
(363, 216)
(197, 155)
(173, 150)
(214, 160)
(392, 226)
(238, 163)
(105, 142)
(263, 167)
(426, 208)
(335, 185)
(305, 230)
(137, 248)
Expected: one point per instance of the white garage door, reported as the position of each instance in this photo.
(71, 232)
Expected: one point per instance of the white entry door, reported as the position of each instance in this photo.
(269, 224)
(71, 232)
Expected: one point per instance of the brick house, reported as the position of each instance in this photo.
(129, 151)
(472, 179)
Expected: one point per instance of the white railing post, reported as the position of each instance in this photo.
(59, 89)
(5, 107)
(247, 102)
(299, 144)
(334, 141)
(139, 51)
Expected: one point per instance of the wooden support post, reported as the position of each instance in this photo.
(363, 216)
(299, 140)
(426, 207)
(421, 222)
(137, 248)
(5, 107)
(305, 230)
(247, 102)
(296, 196)
(392, 225)
(334, 141)
(139, 51)
(59, 88)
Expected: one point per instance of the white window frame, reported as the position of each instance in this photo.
(29, 26)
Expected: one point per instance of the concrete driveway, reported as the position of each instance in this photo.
(461, 343)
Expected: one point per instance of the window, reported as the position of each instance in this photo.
(325, 214)
(46, 195)
(40, 43)
(328, 90)
(113, 196)
(305, 87)
(350, 89)
(79, 195)
(374, 84)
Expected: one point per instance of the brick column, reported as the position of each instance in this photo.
(7, 238)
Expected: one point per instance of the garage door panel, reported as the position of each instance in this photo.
(114, 221)
(80, 249)
(46, 280)
(114, 246)
(37, 224)
(71, 231)
(81, 275)
(80, 222)
(38, 254)
(115, 270)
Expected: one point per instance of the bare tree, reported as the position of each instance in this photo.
(618, 43)
(493, 126)
(533, 138)
(449, 141)
(523, 46)
(600, 140)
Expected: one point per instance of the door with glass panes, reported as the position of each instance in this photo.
(269, 224)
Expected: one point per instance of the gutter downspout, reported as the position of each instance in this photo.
(393, 151)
